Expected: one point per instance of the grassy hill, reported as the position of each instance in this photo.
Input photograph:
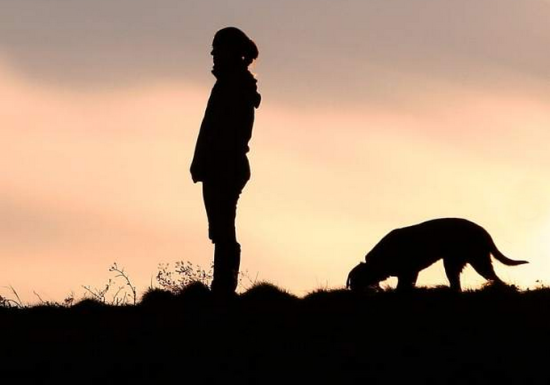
(268, 336)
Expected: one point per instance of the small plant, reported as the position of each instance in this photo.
(182, 275)
(69, 300)
(45, 303)
(120, 297)
(124, 276)
(99, 294)
(9, 302)
(186, 273)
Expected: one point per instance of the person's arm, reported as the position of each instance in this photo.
(203, 145)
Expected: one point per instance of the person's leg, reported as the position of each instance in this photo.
(211, 199)
(227, 258)
(222, 201)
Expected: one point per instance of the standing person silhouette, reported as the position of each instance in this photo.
(220, 160)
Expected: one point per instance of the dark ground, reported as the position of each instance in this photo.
(266, 336)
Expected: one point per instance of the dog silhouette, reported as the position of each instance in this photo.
(404, 252)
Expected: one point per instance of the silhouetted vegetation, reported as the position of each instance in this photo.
(266, 335)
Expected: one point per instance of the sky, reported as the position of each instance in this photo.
(376, 115)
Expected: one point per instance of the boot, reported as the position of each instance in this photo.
(227, 258)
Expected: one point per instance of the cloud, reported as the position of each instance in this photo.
(310, 51)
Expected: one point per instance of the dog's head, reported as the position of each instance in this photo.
(361, 278)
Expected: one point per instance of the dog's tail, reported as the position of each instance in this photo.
(501, 257)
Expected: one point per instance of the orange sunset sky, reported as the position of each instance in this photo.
(375, 115)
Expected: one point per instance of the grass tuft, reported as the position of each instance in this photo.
(267, 292)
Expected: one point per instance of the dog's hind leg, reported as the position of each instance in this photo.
(453, 268)
(481, 263)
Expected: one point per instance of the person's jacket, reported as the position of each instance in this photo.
(222, 144)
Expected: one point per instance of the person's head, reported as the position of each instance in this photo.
(232, 48)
